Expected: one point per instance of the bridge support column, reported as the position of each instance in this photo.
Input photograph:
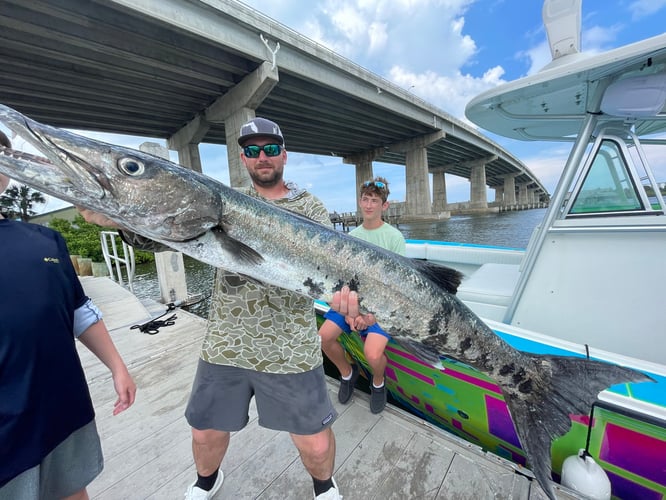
(169, 265)
(439, 201)
(478, 196)
(188, 156)
(238, 175)
(499, 194)
(509, 189)
(234, 108)
(522, 194)
(186, 142)
(364, 172)
(417, 182)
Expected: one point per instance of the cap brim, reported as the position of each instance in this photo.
(245, 138)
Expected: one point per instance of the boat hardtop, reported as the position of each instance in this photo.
(593, 272)
(628, 83)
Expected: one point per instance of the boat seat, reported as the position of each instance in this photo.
(463, 253)
(489, 289)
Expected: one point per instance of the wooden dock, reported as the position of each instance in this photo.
(147, 449)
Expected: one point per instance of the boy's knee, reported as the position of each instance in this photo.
(372, 355)
(329, 330)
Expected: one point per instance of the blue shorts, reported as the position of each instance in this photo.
(339, 320)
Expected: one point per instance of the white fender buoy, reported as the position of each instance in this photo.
(582, 474)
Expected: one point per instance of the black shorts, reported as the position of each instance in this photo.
(297, 402)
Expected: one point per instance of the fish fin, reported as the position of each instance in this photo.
(447, 278)
(421, 351)
(562, 386)
(237, 248)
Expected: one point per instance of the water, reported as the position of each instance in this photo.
(506, 229)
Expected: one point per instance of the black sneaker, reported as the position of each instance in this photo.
(347, 386)
(377, 398)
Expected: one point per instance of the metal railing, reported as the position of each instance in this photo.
(111, 242)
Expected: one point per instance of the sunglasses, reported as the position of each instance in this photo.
(269, 150)
(378, 184)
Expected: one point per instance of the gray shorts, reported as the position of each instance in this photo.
(297, 403)
(70, 467)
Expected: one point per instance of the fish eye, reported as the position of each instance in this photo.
(131, 166)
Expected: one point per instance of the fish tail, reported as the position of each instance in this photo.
(562, 386)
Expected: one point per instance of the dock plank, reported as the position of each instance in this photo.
(119, 306)
(419, 471)
(147, 449)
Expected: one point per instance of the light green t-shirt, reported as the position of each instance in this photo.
(385, 236)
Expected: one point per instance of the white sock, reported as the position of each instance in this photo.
(378, 386)
(348, 377)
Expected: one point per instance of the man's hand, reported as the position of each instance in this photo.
(346, 303)
(97, 218)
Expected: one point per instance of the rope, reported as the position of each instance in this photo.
(153, 326)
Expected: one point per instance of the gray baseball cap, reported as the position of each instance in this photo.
(260, 127)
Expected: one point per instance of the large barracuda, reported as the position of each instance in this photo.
(412, 300)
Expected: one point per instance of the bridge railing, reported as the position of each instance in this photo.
(111, 244)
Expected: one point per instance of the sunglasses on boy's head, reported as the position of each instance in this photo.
(269, 150)
(378, 184)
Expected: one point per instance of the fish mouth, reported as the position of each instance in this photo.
(139, 191)
(59, 172)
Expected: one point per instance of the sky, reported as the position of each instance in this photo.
(444, 51)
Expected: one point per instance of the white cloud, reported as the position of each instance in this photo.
(643, 8)
(599, 38)
(350, 23)
(378, 37)
(450, 93)
(538, 56)
(547, 163)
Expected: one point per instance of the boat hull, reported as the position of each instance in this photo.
(628, 444)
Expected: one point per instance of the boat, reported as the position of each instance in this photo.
(590, 282)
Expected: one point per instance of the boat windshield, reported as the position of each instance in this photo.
(608, 187)
(616, 180)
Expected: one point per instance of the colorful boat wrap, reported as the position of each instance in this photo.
(630, 446)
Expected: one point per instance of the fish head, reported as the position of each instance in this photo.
(141, 192)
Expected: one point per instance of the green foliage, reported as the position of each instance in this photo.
(17, 202)
(141, 256)
(83, 239)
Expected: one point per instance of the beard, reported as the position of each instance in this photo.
(266, 177)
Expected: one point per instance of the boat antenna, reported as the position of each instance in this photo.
(562, 21)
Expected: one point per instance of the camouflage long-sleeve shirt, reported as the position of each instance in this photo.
(257, 326)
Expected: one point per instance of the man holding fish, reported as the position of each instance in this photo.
(261, 340)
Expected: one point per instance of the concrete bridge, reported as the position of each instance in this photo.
(194, 71)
